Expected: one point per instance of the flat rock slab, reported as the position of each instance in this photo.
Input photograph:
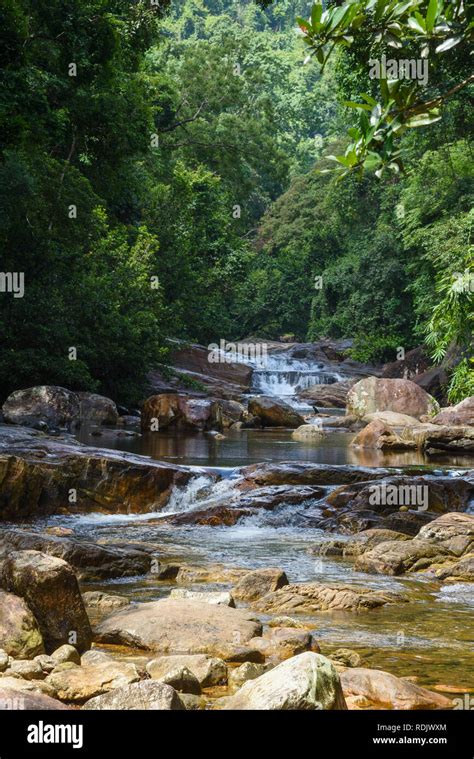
(179, 627)
(149, 695)
(314, 597)
(24, 700)
(79, 684)
(386, 691)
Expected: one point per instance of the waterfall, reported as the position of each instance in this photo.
(286, 377)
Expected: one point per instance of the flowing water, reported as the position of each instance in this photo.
(431, 637)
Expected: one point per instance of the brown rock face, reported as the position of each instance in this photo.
(97, 408)
(400, 395)
(416, 362)
(329, 396)
(30, 701)
(386, 691)
(166, 410)
(89, 560)
(179, 627)
(379, 435)
(460, 415)
(53, 405)
(38, 475)
(20, 636)
(93, 678)
(274, 413)
(258, 583)
(310, 597)
(195, 359)
(49, 587)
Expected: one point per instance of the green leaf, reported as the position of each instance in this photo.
(423, 119)
(431, 14)
(316, 13)
(413, 23)
(361, 106)
(305, 26)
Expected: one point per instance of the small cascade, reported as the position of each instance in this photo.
(285, 377)
(200, 492)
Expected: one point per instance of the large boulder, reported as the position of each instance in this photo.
(380, 435)
(89, 560)
(50, 589)
(187, 412)
(55, 406)
(371, 395)
(20, 635)
(259, 582)
(97, 409)
(274, 413)
(329, 396)
(307, 682)
(147, 695)
(97, 674)
(208, 670)
(172, 626)
(42, 475)
(310, 597)
(385, 691)
(460, 415)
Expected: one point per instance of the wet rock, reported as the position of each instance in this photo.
(49, 587)
(93, 678)
(305, 682)
(386, 691)
(312, 597)
(381, 436)
(103, 603)
(55, 406)
(180, 626)
(346, 657)
(395, 558)
(211, 573)
(220, 598)
(462, 414)
(208, 670)
(46, 663)
(296, 473)
(20, 635)
(148, 695)
(97, 408)
(89, 560)
(273, 412)
(38, 475)
(308, 433)
(461, 571)
(400, 395)
(11, 698)
(4, 660)
(194, 360)
(214, 516)
(453, 531)
(392, 419)
(359, 544)
(27, 686)
(286, 622)
(259, 582)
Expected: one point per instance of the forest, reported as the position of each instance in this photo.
(164, 173)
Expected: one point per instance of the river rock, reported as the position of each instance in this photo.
(28, 670)
(27, 686)
(38, 473)
(380, 435)
(273, 412)
(308, 433)
(460, 571)
(392, 419)
(208, 670)
(371, 395)
(46, 663)
(20, 635)
(11, 698)
(259, 582)
(89, 560)
(462, 414)
(97, 409)
(55, 406)
(98, 674)
(312, 597)
(180, 626)
(346, 657)
(298, 473)
(328, 396)
(182, 680)
(282, 643)
(386, 691)
(49, 587)
(66, 653)
(246, 671)
(5, 659)
(103, 603)
(220, 598)
(306, 682)
(148, 695)
(211, 573)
